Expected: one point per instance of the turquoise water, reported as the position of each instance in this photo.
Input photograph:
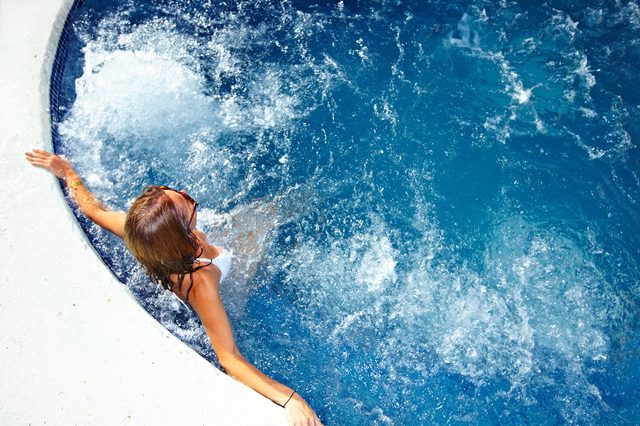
(457, 187)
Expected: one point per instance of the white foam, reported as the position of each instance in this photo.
(504, 323)
(343, 283)
(584, 72)
(378, 265)
(519, 94)
(552, 268)
(362, 52)
(137, 93)
(484, 338)
(630, 14)
(563, 27)
(588, 112)
(385, 111)
(468, 38)
(143, 104)
(499, 126)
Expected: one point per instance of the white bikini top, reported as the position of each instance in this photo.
(222, 262)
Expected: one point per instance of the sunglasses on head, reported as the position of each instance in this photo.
(185, 196)
(183, 193)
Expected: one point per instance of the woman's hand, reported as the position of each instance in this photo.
(299, 413)
(56, 164)
(89, 205)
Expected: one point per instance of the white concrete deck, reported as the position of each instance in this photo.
(75, 348)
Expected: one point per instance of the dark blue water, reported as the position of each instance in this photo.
(451, 189)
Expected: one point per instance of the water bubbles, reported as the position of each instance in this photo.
(438, 279)
(563, 27)
(630, 14)
(468, 37)
(348, 274)
(585, 74)
(522, 95)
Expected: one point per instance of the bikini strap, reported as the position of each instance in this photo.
(186, 297)
(199, 259)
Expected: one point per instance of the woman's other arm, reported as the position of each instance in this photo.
(86, 201)
(205, 300)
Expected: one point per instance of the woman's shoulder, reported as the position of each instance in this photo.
(205, 285)
(201, 235)
(204, 276)
(206, 271)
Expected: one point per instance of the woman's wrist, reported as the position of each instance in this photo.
(288, 399)
(74, 184)
(71, 179)
(295, 400)
(283, 400)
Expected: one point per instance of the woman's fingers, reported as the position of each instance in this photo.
(56, 164)
(33, 158)
(41, 151)
(33, 154)
(36, 158)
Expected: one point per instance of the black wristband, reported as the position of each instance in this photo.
(290, 396)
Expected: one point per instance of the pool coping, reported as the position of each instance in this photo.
(75, 347)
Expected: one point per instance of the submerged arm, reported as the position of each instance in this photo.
(86, 201)
(205, 299)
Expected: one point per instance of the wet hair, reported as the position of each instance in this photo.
(157, 232)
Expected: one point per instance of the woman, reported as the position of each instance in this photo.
(159, 229)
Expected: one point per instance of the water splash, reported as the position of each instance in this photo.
(439, 277)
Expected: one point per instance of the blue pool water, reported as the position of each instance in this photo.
(447, 192)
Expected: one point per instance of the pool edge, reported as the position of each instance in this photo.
(75, 346)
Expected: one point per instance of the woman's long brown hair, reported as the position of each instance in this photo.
(158, 234)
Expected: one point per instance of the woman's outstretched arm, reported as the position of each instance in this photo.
(206, 301)
(86, 201)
